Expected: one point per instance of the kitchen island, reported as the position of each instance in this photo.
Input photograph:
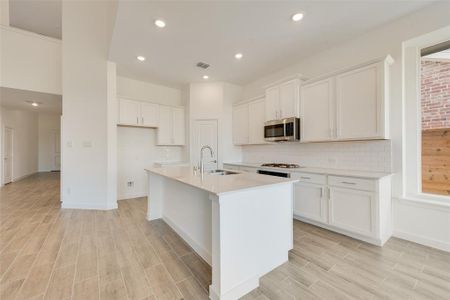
(240, 224)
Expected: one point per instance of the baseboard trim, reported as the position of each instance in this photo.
(78, 205)
(23, 176)
(131, 196)
(376, 242)
(422, 240)
(236, 292)
(197, 248)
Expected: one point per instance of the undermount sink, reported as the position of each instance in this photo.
(221, 172)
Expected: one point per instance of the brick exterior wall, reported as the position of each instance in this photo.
(435, 94)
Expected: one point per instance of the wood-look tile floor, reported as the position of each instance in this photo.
(51, 253)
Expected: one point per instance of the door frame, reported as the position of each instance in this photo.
(4, 154)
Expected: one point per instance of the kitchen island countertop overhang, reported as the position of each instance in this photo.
(241, 224)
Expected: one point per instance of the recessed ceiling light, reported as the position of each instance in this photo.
(140, 58)
(35, 104)
(297, 17)
(205, 77)
(160, 23)
(238, 55)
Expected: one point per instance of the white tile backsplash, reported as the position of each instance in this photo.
(361, 155)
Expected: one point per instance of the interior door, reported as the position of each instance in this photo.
(317, 111)
(205, 133)
(8, 155)
(56, 150)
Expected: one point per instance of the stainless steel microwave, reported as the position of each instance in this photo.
(285, 130)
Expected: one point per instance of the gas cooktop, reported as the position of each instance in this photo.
(281, 165)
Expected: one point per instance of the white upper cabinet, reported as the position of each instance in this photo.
(289, 99)
(359, 103)
(129, 112)
(171, 131)
(272, 103)
(138, 113)
(149, 114)
(178, 126)
(248, 122)
(241, 124)
(256, 121)
(347, 105)
(282, 101)
(317, 107)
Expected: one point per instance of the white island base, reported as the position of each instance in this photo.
(239, 224)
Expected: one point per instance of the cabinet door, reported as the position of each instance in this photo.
(272, 103)
(165, 129)
(359, 103)
(240, 124)
(289, 99)
(129, 112)
(256, 119)
(317, 106)
(149, 114)
(310, 201)
(178, 126)
(352, 210)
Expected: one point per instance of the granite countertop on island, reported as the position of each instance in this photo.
(217, 184)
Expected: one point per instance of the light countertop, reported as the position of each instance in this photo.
(218, 184)
(324, 171)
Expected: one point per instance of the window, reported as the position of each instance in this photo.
(426, 127)
(435, 119)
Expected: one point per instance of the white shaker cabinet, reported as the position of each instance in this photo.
(359, 103)
(138, 113)
(318, 111)
(311, 202)
(149, 114)
(129, 112)
(256, 121)
(352, 210)
(282, 100)
(241, 124)
(171, 131)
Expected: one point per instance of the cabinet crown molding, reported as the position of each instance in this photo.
(298, 76)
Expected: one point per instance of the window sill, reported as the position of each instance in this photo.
(427, 201)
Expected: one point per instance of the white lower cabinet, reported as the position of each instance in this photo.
(352, 210)
(357, 207)
(310, 201)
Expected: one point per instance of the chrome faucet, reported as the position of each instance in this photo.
(202, 165)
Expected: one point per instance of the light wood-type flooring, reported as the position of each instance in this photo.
(51, 253)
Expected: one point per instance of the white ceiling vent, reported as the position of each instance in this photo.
(202, 65)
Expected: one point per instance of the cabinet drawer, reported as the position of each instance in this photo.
(311, 178)
(353, 183)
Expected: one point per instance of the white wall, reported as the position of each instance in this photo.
(377, 43)
(49, 125)
(214, 101)
(29, 61)
(25, 141)
(136, 147)
(86, 123)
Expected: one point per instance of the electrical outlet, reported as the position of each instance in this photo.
(130, 184)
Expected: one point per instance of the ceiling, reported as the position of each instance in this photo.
(214, 31)
(38, 16)
(16, 99)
